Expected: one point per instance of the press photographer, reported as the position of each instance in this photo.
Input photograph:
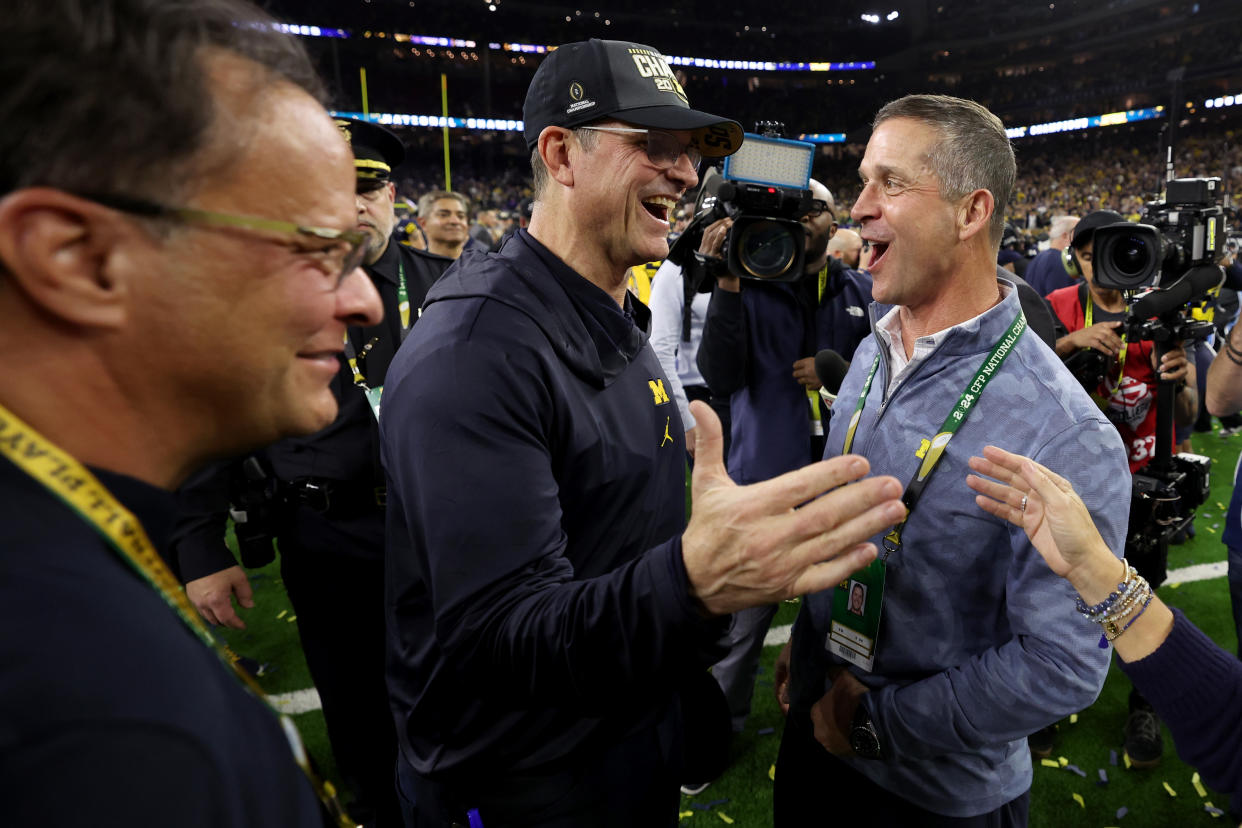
(762, 332)
(1125, 327)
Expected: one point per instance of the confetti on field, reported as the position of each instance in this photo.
(684, 814)
(1103, 777)
(1050, 763)
(1212, 528)
(1112, 758)
(1126, 757)
(772, 773)
(1062, 761)
(282, 614)
(716, 802)
(1078, 798)
(291, 619)
(727, 819)
(1216, 813)
(1077, 770)
(766, 731)
(1122, 811)
(700, 806)
(1175, 585)
(1220, 506)
(1073, 718)
(1169, 788)
(1199, 789)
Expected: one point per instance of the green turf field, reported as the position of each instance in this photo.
(743, 796)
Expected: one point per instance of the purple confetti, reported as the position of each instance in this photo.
(716, 802)
(766, 731)
(1213, 811)
(1103, 777)
(1077, 770)
(1112, 758)
(700, 807)
(1122, 811)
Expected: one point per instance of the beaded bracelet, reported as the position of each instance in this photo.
(1118, 633)
(1141, 593)
(1105, 606)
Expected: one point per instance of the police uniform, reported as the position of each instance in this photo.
(330, 531)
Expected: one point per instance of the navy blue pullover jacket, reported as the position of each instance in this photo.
(537, 600)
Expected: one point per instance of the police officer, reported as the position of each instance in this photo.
(330, 520)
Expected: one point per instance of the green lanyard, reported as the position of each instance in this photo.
(930, 451)
(82, 492)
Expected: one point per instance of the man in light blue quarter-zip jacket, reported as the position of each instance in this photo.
(914, 708)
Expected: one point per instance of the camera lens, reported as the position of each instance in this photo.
(1130, 256)
(766, 249)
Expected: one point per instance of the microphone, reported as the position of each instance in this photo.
(1197, 281)
(830, 367)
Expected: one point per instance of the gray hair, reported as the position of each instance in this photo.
(973, 152)
(111, 96)
(1062, 226)
(539, 171)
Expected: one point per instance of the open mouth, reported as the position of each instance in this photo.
(878, 249)
(660, 207)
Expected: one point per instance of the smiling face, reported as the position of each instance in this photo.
(446, 224)
(623, 202)
(256, 320)
(911, 229)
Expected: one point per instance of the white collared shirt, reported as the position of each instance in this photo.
(888, 331)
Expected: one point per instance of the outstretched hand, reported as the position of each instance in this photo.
(1055, 518)
(801, 532)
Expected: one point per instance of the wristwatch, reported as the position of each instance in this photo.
(863, 736)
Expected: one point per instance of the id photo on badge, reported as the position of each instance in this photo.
(858, 598)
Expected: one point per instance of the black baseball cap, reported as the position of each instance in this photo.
(377, 151)
(1085, 229)
(594, 79)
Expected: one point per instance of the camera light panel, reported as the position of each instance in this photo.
(776, 162)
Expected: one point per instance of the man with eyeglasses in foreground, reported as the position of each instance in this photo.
(322, 499)
(546, 610)
(758, 351)
(178, 266)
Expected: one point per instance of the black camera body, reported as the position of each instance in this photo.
(1163, 504)
(767, 240)
(1186, 230)
(765, 189)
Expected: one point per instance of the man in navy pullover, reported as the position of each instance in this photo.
(544, 603)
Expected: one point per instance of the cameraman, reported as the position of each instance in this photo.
(1094, 322)
(758, 349)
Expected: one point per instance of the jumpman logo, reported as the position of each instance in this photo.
(667, 438)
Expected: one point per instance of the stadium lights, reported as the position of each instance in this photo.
(1221, 102)
(870, 18)
(823, 137)
(891, 16)
(438, 121)
(538, 49)
(309, 31)
(1093, 122)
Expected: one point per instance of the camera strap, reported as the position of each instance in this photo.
(930, 451)
(1087, 306)
(82, 492)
